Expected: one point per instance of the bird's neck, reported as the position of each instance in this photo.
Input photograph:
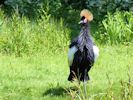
(85, 30)
(85, 33)
(84, 39)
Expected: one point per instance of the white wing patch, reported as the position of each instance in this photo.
(71, 53)
(96, 52)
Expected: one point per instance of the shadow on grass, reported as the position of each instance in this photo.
(58, 91)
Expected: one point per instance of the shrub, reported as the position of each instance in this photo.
(117, 28)
(22, 36)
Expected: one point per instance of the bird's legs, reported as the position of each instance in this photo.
(85, 92)
(78, 81)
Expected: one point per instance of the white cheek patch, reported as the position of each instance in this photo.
(96, 52)
(71, 53)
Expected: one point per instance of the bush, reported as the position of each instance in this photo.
(17, 36)
(117, 28)
(20, 36)
(57, 7)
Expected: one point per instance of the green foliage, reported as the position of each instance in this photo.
(101, 7)
(35, 76)
(117, 28)
(24, 7)
(19, 35)
(53, 33)
(31, 8)
(57, 7)
(17, 38)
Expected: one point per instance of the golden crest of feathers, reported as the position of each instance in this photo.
(87, 14)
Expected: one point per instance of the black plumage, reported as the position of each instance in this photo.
(83, 57)
(82, 51)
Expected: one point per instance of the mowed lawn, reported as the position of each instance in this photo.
(44, 77)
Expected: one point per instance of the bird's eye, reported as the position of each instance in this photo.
(82, 18)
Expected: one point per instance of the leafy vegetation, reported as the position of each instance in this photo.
(99, 8)
(22, 36)
(117, 28)
(19, 35)
(34, 41)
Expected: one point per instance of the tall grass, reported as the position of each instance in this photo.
(18, 35)
(117, 28)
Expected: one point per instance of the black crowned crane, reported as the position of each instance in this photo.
(82, 51)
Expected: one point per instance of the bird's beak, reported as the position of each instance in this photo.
(81, 22)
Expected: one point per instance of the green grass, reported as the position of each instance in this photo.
(33, 61)
(44, 77)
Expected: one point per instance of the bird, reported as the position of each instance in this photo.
(82, 52)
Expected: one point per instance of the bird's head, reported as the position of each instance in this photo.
(86, 16)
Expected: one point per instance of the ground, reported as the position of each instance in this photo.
(44, 77)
